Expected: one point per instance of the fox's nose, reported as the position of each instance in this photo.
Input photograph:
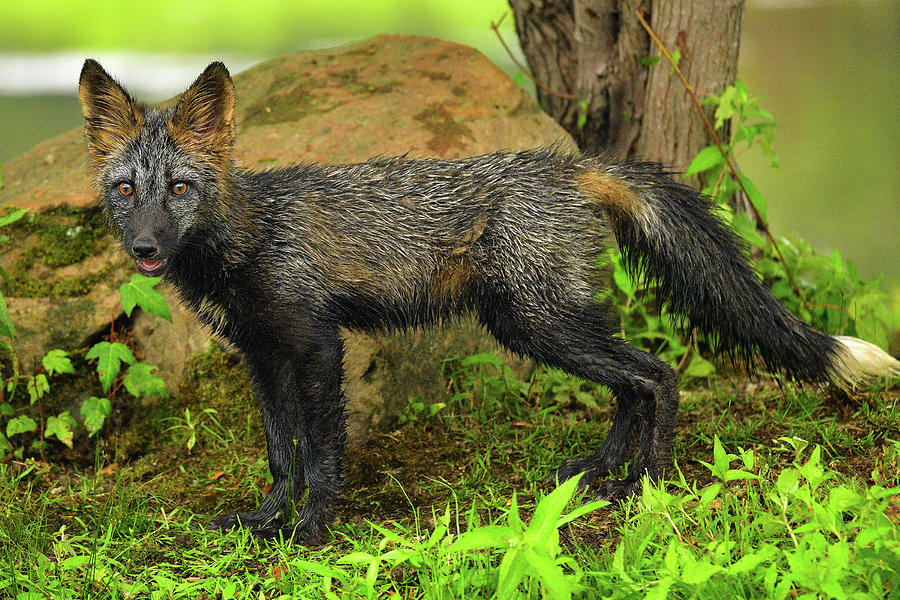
(145, 248)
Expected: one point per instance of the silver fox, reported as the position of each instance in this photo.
(276, 261)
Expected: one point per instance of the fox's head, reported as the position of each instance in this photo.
(158, 170)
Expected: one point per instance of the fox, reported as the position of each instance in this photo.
(277, 261)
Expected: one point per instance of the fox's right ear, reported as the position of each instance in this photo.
(112, 116)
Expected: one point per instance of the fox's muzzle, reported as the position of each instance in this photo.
(145, 251)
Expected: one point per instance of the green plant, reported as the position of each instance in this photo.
(485, 377)
(531, 561)
(531, 553)
(558, 388)
(417, 409)
(37, 385)
(826, 292)
(745, 535)
(192, 426)
(139, 378)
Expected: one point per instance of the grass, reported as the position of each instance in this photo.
(777, 494)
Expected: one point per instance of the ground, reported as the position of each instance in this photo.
(141, 496)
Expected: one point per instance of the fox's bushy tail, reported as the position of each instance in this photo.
(672, 236)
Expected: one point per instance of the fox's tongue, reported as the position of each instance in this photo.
(150, 265)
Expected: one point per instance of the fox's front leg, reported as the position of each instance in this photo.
(304, 418)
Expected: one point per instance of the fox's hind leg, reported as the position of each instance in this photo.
(578, 338)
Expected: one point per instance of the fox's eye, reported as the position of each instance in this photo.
(126, 188)
(179, 188)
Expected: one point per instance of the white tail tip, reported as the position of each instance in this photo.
(857, 360)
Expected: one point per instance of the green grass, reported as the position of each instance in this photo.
(776, 495)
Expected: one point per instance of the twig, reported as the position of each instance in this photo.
(540, 84)
(686, 357)
(728, 160)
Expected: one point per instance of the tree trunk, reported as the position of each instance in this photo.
(587, 54)
(707, 33)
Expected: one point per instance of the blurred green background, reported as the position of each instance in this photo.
(829, 72)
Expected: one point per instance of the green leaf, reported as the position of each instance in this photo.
(721, 458)
(556, 584)
(95, 411)
(650, 61)
(735, 474)
(480, 538)
(700, 367)
(581, 510)
(37, 387)
(142, 380)
(697, 572)
(788, 481)
(710, 493)
(542, 528)
(660, 591)
(7, 329)
(109, 360)
(73, 562)
(755, 196)
(582, 114)
(676, 58)
(708, 158)
(317, 568)
(139, 291)
(56, 361)
(746, 228)
(510, 574)
(61, 426)
(20, 424)
(623, 281)
(726, 106)
(13, 217)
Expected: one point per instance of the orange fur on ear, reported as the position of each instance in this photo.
(112, 117)
(203, 121)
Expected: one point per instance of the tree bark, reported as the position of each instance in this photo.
(707, 33)
(588, 52)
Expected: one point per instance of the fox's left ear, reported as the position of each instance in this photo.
(203, 120)
(112, 117)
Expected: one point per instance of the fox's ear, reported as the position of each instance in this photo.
(203, 120)
(112, 116)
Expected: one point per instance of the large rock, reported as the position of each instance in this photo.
(382, 96)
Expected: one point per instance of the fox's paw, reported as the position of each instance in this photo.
(573, 467)
(617, 489)
(256, 520)
(303, 533)
(593, 479)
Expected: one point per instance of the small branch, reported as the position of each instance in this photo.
(540, 84)
(686, 357)
(718, 142)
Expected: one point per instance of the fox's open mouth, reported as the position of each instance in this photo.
(152, 268)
